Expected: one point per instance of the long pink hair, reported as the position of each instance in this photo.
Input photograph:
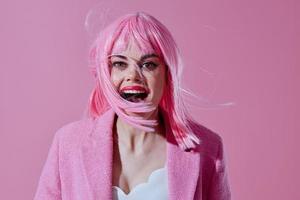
(148, 33)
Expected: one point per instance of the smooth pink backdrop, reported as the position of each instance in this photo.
(250, 50)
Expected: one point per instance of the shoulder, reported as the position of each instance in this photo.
(70, 134)
(211, 143)
(74, 127)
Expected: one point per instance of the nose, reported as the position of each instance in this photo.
(133, 74)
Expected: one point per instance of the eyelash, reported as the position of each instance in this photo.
(120, 63)
(123, 64)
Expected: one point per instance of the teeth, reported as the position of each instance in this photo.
(133, 91)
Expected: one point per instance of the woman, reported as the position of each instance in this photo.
(139, 141)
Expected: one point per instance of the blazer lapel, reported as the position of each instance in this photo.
(183, 170)
(97, 153)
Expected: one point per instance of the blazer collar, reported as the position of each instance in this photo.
(97, 154)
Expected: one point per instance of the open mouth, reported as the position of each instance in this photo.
(134, 95)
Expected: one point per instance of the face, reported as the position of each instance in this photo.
(146, 84)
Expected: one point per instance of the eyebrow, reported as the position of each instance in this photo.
(142, 58)
(149, 56)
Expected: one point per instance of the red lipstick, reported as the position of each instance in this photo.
(134, 87)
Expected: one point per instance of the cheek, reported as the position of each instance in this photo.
(157, 83)
(115, 78)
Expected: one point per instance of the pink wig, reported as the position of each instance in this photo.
(149, 34)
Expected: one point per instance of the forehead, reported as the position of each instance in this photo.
(132, 48)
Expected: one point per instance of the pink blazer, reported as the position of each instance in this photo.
(79, 164)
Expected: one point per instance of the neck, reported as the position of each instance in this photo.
(134, 139)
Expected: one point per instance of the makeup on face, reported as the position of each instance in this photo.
(135, 92)
(137, 75)
(145, 63)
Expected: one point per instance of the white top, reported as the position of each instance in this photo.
(155, 188)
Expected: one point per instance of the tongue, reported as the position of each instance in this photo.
(134, 98)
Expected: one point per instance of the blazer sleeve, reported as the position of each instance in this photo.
(49, 186)
(220, 189)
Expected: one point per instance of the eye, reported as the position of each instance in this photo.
(119, 64)
(149, 65)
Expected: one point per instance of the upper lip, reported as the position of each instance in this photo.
(134, 87)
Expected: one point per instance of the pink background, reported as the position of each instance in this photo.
(250, 47)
